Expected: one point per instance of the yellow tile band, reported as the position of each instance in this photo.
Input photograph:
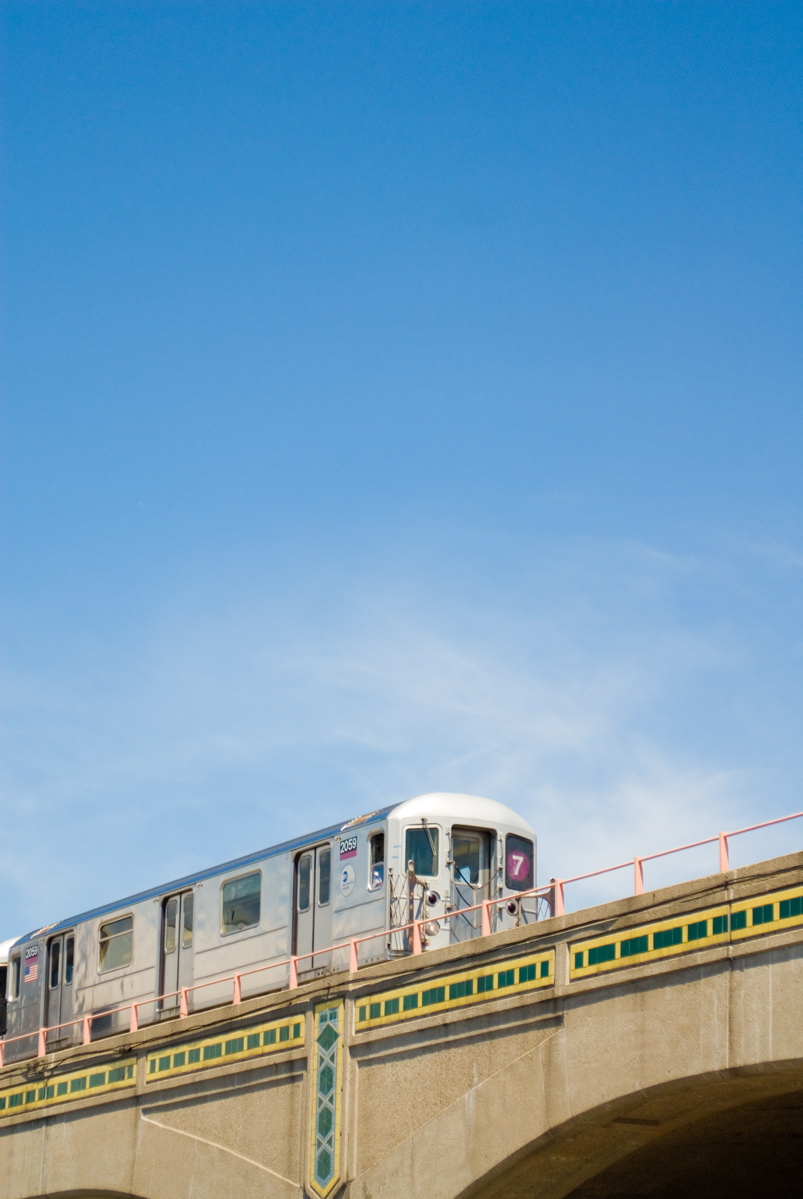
(62, 1088)
(220, 1050)
(443, 993)
(717, 925)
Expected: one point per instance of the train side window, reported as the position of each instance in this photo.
(377, 861)
(519, 858)
(421, 848)
(116, 944)
(304, 877)
(69, 960)
(14, 991)
(186, 921)
(55, 964)
(171, 924)
(241, 903)
(324, 876)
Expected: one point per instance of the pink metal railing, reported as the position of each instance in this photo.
(554, 893)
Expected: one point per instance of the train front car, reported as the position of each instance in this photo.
(448, 853)
(274, 918)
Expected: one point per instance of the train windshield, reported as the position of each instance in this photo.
(421, 848)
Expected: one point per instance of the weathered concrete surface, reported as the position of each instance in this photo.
(601, 1087)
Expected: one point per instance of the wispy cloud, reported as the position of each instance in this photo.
(597, 705)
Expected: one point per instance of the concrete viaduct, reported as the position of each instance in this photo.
(648, 1047)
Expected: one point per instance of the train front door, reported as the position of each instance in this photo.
(59, 987)
(471, 879)
(313, 909)
(177, 950)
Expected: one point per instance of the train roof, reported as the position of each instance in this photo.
(469, 807)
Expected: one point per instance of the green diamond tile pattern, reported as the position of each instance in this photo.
(327, 1046)
(327, 1037)
(326, 1081)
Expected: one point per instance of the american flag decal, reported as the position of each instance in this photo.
(31, 968)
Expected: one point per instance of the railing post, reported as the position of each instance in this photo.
(416, 937)
(86, 1036)
(237, 994)
(292, 982)
(486, 918)
(354, 960)
(184, 1007)
(2, 1043)
(638, 871)
(41, 1048)
(556, 897)
(724, 865)
(134, 1024)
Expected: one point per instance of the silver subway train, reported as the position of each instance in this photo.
(368, 878)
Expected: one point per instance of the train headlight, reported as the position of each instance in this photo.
(432, 898)
(512, 907)
(432, 928)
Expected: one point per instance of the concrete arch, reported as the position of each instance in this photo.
(86, 1195)
(717, 1137)
(746, 1152)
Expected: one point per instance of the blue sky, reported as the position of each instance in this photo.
(398, 397)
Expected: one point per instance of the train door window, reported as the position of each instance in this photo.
(466, 850)
(421, 848)
(55, 964)
(14, 992)
(69, 960)
(324, 876)
(116, 943)
(171, 924)
(186, 921)
(304, 881)
(242, 903)
(519, 863)
(377, 861)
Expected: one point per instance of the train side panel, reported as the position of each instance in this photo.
(219, 953)
(107, 980)
(360, 891)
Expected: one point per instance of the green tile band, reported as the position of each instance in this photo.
(475, 985)
(73, 1085)
(718, 925)
(222, 1049)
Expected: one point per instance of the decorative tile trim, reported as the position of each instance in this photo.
(688, 933)
(254, 1041)
(442, 993)
(63, 1088)
(326, 1089)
